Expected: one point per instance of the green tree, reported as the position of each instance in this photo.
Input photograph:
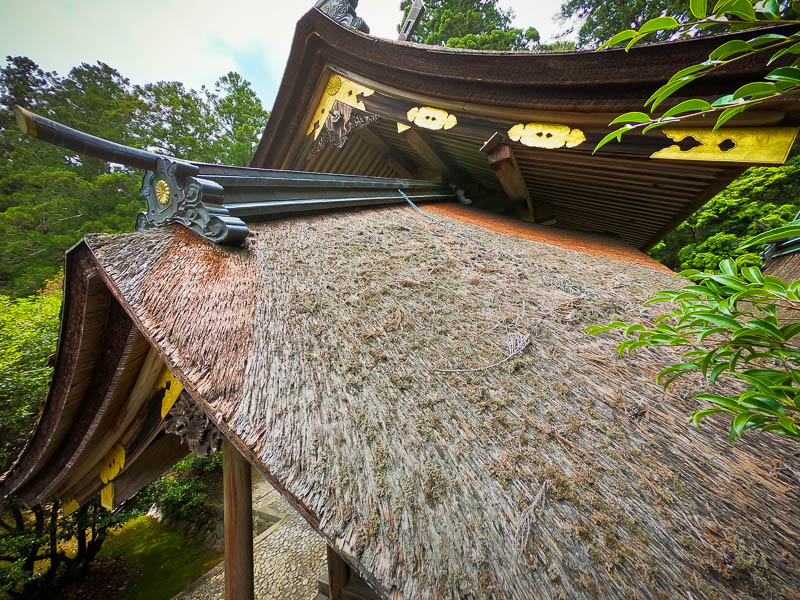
(598, 20)
(241, 117)
(28, 336)
(474, 24)
(761, 197)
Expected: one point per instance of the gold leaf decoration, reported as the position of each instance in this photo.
(113, 463)
(546, 135)
(339, 89)
(172, 389)
(428, 117)
(752, 145)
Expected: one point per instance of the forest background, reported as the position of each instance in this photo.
(50, 198)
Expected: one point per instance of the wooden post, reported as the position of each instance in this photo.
(338, 574)
(238, 524)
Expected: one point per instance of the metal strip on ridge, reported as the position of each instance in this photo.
(217, 201)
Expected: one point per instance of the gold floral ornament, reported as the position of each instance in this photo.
(342, 89)
(546, 135)
(431, 118)
(162, 192)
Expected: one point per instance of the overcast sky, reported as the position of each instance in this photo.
(192, 41)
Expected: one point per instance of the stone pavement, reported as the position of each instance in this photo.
(289, 555)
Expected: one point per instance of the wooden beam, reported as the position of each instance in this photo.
(505, 167)
(403, 166)
(156, 460)
(426, 149)
(238, 498)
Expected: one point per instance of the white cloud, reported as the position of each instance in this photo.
(193, 42)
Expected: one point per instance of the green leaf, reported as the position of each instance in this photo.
(728, 267)
(687, 106)
(789, 331)
(692, 69)
(720, 400)
(739, 8)
(793, 49)
(767, 38)
(739, 423)
(658, 24)
(779, 233)
(730, 282)
(699, 8)
(614, 134)
(632, 117)
(761, 323)
(789, 425)
(753, 274)
(620, 37)
(633, 328)
(708, 332)
(769, 8)
(680, 368)
(755, 88)
(653, 126)
(666, 90)
(720, 320)
(728, 114)
(699, 415)
(791, 74)
(730, 48)
(717, 371)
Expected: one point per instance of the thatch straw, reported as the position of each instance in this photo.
(562, 472)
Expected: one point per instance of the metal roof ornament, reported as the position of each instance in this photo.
(344, 13)
(194, 202)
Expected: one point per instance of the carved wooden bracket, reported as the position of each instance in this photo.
(186, 420)
(341, 122)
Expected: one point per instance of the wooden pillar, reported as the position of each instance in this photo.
(238, 524)
(338, 574)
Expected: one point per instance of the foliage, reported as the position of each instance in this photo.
(473, 24)
(780, 82)
(761, 197)
(28, 336)
(165, 560)
(32, 546)
(181, 493)
(598, 20)
(737, 324)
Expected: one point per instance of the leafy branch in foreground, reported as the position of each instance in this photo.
(782, 81)
(736, 324)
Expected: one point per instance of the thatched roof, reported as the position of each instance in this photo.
(349, 357)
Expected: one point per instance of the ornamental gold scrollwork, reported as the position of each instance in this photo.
(753, 145)
(546, 135)
(428, 117)
(339, 89)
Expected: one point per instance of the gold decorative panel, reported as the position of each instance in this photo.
(754, 145)
(173, 390)
(342, 89)
(113, 463)
(401, 127)
(546, 135)
(428, 117)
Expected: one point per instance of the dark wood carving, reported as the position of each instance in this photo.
(187, 420)
(341, 122)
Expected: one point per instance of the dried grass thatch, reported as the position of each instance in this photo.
(350, 354)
